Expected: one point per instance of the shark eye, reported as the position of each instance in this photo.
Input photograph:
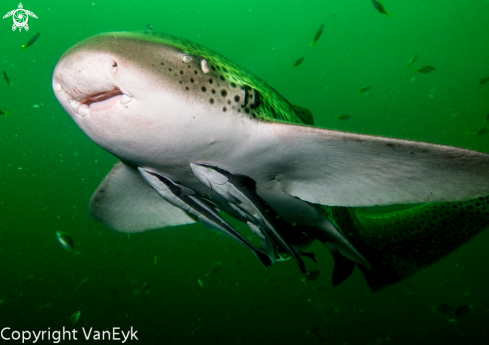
(186, 58)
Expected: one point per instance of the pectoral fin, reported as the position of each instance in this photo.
(346, 169)
(125, 202)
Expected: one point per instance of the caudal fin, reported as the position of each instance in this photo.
(397, 244)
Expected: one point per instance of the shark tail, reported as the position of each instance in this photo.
(397, 244)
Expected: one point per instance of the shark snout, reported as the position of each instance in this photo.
(87, 83)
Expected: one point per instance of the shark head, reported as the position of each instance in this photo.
(122, 87)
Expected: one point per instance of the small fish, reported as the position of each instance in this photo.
(28, 279)
(5, 76)
(318, 35)
(298, 62)
(413, 60)
(484, 80)
(204, 210)
(379, 7)
(4, 113)
(31, 41)
(215, 269)
(149, 27)
(443, 308)
(74, 318)
(365, 89)
(83, 282)
(481, 131)
(66, 241)
(45, 306)
(313, 275)
(343, 117)
(200, 282)
(425, 69)
(154, 261)
(461, 313)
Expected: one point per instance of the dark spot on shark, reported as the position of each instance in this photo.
(180, 82)
(211, 81)
(186, 88)
(213, 91)
(213, 68)
(192, 80)
(247, 110)
(189, 66)
(224, 93)
(203, 88)
(225, 69)
(236, 98)
(229, 102)
(224, 109)
(222, 78)
(233, 85)
(195, 72)
(162, 64)
(181, 72)
(211, 100)
(169, 69)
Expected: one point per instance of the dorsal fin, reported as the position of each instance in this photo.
(305, 114)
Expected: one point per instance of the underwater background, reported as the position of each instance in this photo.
(49, 170)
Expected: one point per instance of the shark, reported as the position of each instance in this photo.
(170, 107)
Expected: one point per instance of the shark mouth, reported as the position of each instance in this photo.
(97, 101)
(102, 97)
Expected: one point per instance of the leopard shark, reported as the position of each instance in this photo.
(164, 104)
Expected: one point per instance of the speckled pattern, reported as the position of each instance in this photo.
(400, 243)
(261, 100)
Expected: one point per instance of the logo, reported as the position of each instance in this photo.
(20, 17)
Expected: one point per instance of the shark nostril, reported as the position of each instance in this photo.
(114, 67)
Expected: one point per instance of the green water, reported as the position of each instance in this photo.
(49, 170)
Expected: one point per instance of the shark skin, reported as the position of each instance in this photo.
(162, 102)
